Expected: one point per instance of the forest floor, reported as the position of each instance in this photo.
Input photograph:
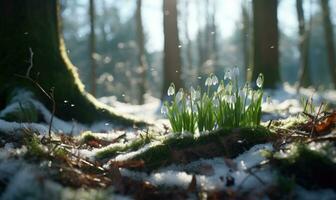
(292, 155)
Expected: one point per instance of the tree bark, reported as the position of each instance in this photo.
(266, 53)
(26, 24)
(172, 59)
(329, 38)
(92, 48)
(141, 53)
(304, 35)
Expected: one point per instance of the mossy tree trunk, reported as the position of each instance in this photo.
(26, 24)
(172, 58)
(266, 38)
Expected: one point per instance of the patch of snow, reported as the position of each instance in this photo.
(178, 175)
(150, 110)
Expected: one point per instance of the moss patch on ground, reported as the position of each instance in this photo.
(223, 142)
(309, 168)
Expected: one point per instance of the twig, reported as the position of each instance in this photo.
(30, 62)
(315, 120)
(49, 95)
(251, 173)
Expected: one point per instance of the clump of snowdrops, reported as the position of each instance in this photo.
(222, 104)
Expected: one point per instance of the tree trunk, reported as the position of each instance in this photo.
(200, 43)
(329, 37)
(213, 33)
(304, 35)
(266, 53)
(92, 48)
(26, 24)
(246, 40)
(141, 53)
(186, 29)
(172, 59)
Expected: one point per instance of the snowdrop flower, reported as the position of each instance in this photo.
(214, 79)
(195, 94)
(228, 75)
(231, 99)
(179, 95)
(208, 81)
(260, 80)
(235, 72)
(171, 89)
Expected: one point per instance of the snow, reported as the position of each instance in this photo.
(178, 175)
(150, 110)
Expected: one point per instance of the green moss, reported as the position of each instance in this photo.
(309, 168)
(229, 143)
(132, 146)
(34, 147)
(87, 136)
(110, 152)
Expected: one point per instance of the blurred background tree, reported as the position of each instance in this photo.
(289, 41)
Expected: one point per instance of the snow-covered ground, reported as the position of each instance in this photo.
(211, 174)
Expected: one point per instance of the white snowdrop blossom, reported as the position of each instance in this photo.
(214, 79)
(208, 81)
(260, 80)
(232, 99)
(179, 95)
(195, 94)
(228, 75)
(171, 89)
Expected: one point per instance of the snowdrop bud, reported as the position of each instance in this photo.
(268, 100)
(208, 81)
(220, 87)
(260, 80)
(194, 108)
(164, 110)
(228, 75)
(214, 79)
(229, 87)
(171, 89)
(246, 88)
(241, 93)
(179, 95)
(235, 72)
